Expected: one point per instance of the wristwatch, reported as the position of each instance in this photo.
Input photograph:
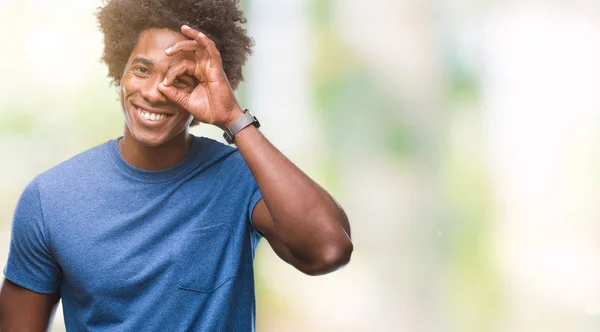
(244, 121)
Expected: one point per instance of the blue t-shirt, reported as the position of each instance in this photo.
(138, 250)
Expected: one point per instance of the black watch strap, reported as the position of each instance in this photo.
(244, 121)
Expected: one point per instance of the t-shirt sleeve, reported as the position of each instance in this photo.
(253, 196)
(256, 197)
(30, 261)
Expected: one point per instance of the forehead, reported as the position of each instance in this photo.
(152, 44)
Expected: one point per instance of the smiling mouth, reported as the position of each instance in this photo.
(150, 115)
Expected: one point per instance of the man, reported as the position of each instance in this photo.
(156, 230)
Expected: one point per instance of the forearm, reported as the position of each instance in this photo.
(306, 218)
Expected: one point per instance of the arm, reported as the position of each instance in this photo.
(303, 224)
(24, 310)
(30, 292)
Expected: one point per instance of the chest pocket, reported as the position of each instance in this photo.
(203, 258)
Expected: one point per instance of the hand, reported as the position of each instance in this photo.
(212, 101)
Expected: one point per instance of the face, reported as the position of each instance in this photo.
(151, 119)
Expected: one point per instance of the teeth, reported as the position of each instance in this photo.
(151, 116)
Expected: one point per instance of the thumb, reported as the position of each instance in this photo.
(177, 96)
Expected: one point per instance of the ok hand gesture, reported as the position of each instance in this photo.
(212, 101)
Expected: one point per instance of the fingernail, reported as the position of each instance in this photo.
(185, 26)
(168, 49)
(201, 34)
(165, 82)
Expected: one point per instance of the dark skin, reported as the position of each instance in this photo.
(24, 310)
(178, 77)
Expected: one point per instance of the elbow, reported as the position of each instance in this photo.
(332, 259)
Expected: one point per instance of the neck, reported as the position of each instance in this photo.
(158, 157)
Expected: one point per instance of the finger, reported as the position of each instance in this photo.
(181, 68)
(179, 97)
(205, 43)
(183, 46)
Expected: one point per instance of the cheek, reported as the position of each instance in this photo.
(123, 93)
(186, 120)
(122, 97)
(127, 87)
(129, 84)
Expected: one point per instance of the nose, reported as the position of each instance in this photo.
(151, 93)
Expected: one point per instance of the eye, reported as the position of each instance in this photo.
(181, 83)
(140, 69)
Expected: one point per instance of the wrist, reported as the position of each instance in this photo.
(235, 114)
(242, 122)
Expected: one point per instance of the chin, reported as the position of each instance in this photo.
(155, 138)
(149, 140)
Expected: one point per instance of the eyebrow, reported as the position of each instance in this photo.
(143, 61)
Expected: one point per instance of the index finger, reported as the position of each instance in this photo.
(183, 46)
(204, 42)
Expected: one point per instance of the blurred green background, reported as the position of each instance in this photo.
(461, 137)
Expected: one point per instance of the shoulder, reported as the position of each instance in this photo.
(78, 167)
(219, 154)
(213, 148)
(226, 159)
(230, 155)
